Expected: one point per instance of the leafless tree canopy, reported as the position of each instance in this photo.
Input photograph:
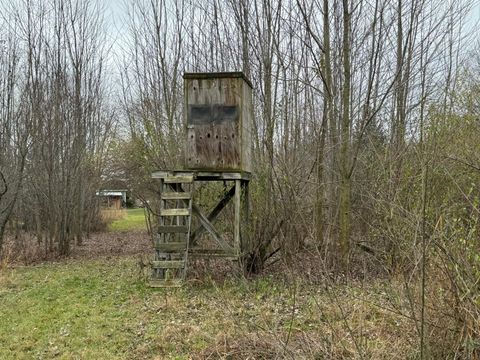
(365, 133)
(56, 117)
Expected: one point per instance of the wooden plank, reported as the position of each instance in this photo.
(174, 212)
(210, 174)
(178, 179)
(236, 226)
(216, 75)
(246, 129)
(169, 247)
(176, 196)
(162, 203)
(168, 264)
(222, 175)
(245, 243)
(161, 174)
(177, 229)
(204, 175)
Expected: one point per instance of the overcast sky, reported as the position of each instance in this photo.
(116, 15)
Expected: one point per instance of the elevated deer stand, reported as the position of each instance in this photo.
(218, 148)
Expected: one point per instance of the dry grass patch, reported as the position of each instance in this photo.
(109, 215)
(102, 309)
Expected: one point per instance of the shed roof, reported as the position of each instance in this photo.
(111, 192)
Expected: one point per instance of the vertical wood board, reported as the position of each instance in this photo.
(218, 117)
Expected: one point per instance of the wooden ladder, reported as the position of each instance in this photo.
(169, 266)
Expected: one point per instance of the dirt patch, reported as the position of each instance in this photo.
(25, 249)
(114, 244)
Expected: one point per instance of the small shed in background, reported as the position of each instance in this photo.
(113, 199)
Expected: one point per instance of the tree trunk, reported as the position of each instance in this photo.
(331, 123)
(344, 161)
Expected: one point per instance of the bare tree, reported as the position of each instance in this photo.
(15, 120)
(65, 109)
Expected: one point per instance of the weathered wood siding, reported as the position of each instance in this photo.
(218, 116)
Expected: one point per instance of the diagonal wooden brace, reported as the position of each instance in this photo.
(212, 217)
(211, 229)
(206, 222)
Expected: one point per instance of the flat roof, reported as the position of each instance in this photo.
(200, 175)
(216, 75)
(110, 193)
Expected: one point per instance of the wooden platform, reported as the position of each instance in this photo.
(172, 252)
(203, 175)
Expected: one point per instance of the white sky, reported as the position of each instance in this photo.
(116, 15)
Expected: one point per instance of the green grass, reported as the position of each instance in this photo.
(101, 309)
(134, 220)
(70, 311)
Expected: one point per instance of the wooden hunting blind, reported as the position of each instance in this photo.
(218, 109)
(218, 117)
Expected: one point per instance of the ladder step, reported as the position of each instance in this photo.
(176, 196)
(169, 247)
(174, 212)
(168, 264)
(178, 179)
(177, 229)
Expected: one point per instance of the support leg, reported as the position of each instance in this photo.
(160, 273)
(236, 228)
(245, 245)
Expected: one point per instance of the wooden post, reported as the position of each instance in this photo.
(160, 238)
(245, 240)
(237, 205)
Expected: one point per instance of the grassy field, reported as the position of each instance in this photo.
(101, 309)
(127, 220)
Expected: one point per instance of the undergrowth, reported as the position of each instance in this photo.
(102, 309)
